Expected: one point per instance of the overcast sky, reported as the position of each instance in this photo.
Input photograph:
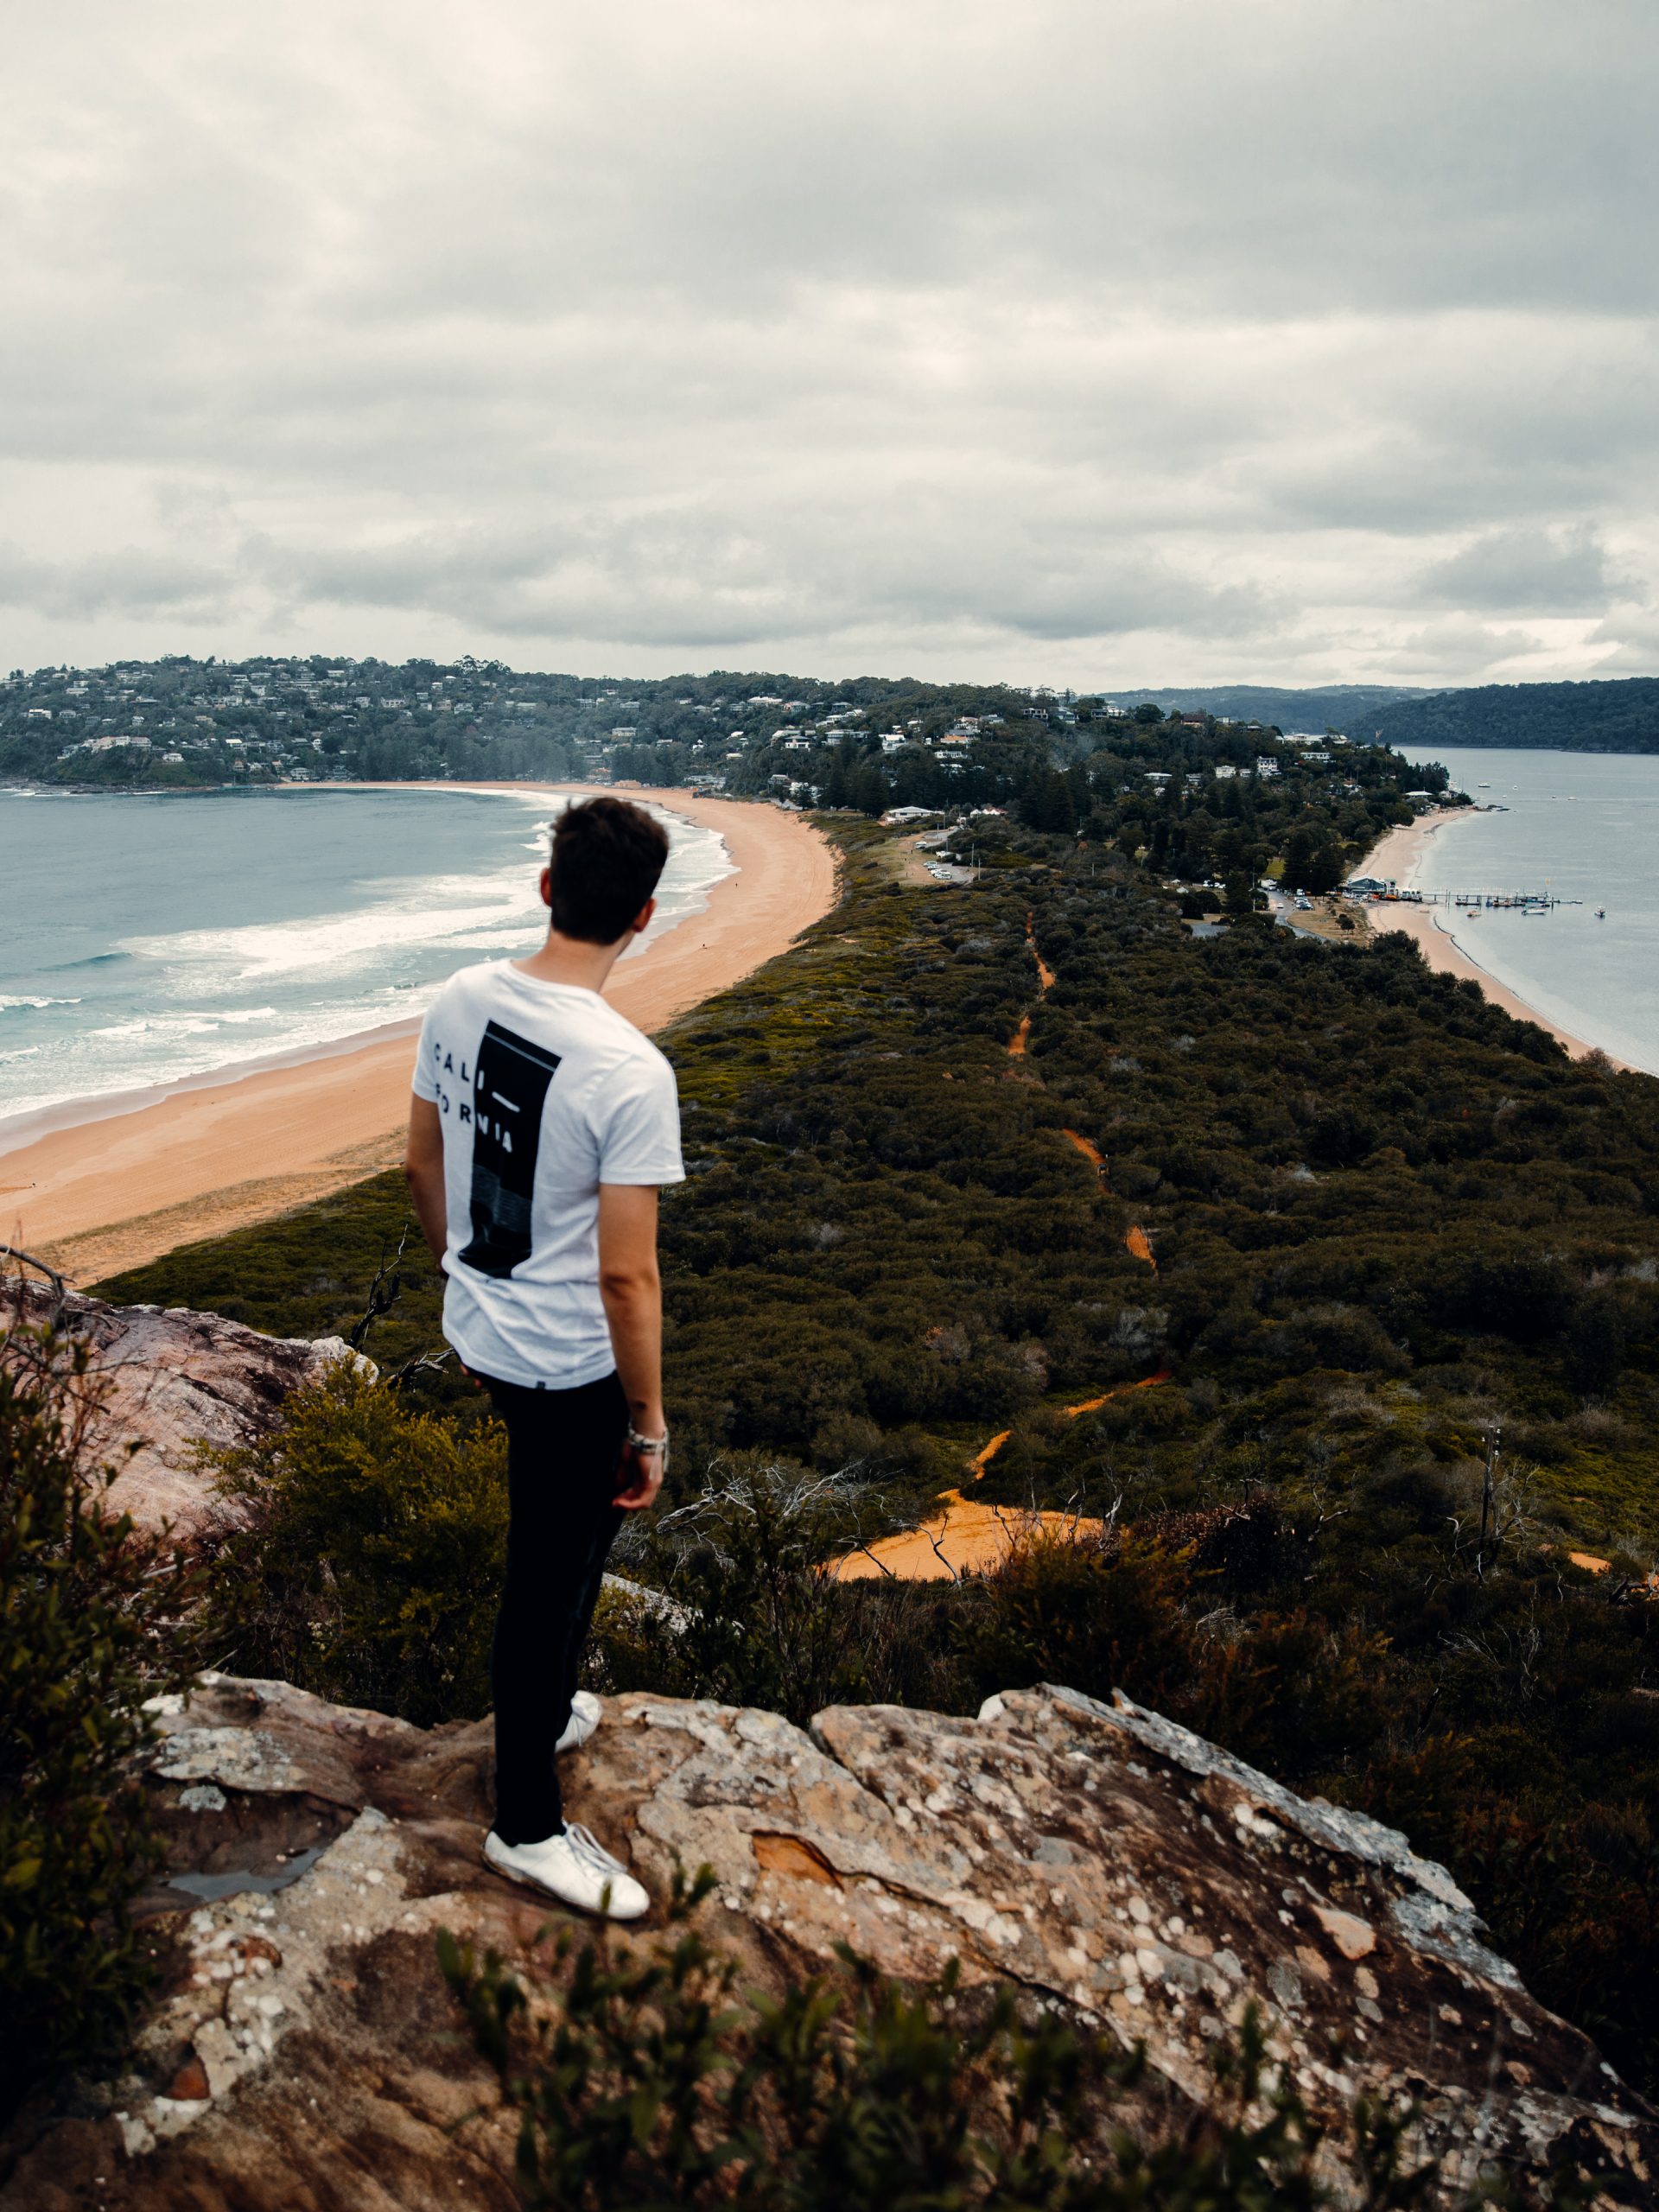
(1129, 340)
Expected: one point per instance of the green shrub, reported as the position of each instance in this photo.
(1096, 1616)
(755, 1620)
(366, 1554)
(647, 2081)
(89, 1631)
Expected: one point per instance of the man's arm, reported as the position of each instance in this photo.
(633, 1291)
(423, 1171)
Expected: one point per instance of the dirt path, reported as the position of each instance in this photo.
(969, 1537)
(1044, 973)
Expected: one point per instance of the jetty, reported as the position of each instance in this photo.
(1526, 902)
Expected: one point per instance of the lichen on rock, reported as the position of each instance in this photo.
(1106, 1862)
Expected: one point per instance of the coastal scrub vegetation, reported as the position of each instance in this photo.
(650, 2079)
(91, 1613)
(971, 1162)
(363, 1551)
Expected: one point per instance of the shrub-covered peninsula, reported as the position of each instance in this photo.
(966, 1165)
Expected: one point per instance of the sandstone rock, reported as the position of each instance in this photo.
(171, 1379)
(305, 2050)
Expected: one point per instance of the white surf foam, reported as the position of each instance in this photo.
(314, 981)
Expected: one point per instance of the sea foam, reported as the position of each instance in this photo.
(168, 917)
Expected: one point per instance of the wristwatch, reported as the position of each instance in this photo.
(647, 1447)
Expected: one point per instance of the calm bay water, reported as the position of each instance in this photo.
(1586, 827)
(143, 940)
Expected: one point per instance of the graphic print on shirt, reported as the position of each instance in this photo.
(509, 1080)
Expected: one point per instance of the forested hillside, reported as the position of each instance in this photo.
(867, 743)
(970, 1160)
(1351, 708)
(1620, 716)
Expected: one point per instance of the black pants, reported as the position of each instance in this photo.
(562, 1453)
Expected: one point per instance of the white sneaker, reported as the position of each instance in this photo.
(585, 1714)
(576, 1868)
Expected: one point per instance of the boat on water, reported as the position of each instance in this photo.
(1601, 914)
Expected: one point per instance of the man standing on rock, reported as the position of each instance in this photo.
(542, 1127)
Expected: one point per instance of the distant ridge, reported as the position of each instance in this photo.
(1334, 706)
(1618, 715)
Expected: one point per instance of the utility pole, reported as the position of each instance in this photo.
(1486, 1502)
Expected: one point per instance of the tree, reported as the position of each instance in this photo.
(1241, 894)
(867, 788)
(1324, 871)
(1046, 803)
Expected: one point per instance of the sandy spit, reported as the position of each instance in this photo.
(116, 1190)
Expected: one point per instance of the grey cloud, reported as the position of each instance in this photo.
(1001, 340)
(1526, 572)
(128, 581)
(1451, 644)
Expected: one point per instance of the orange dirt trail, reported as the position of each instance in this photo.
(980, 1460)
(1044, 973)
(1135, 1239)
(968, 1538)
(1044, 978)
(965, 1539)
(1094, 1405)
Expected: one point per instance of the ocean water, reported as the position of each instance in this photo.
(1585, 827)
(144, 940)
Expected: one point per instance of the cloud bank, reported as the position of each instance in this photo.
(1124, 340)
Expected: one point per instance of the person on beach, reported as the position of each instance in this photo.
(542, 1127)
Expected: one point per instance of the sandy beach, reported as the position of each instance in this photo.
(136, 1179)
(1398, 860)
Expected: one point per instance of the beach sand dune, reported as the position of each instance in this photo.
(115, 1191)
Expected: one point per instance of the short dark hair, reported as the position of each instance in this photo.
(607, 858)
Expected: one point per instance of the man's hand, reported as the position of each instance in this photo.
(640, 1477)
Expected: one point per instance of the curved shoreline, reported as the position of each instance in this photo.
(123, 1180)
(1398, 858)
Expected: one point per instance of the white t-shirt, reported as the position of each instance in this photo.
(546, 1092)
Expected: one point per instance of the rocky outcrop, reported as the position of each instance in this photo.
(304, 2049)
(167, 1380)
